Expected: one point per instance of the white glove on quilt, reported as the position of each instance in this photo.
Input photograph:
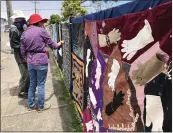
(154, 112)
(114, 37)
(143, 38)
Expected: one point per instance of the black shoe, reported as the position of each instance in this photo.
(23, 95)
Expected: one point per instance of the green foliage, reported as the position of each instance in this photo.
(54, 18)
(70, 117)
(72, 8)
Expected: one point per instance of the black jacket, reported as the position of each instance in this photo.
(14, 35)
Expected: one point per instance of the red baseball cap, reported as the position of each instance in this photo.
(35, 18)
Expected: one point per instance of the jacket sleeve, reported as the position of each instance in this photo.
(22, 48)
(14, 38)
(48, 40)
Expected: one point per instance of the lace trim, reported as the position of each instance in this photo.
(121, 127)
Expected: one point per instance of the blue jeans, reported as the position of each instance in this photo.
(37, 74)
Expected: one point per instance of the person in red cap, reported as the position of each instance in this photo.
(34, 49)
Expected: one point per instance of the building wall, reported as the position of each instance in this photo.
(3, 23)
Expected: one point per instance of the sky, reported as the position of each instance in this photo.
(92, 8)
(45, 8)
(28, 7)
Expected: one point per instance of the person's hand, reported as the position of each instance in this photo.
(61, 43)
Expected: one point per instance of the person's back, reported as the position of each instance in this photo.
(34, 43)
(34, 39)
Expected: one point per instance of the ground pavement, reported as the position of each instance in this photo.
(14, 114)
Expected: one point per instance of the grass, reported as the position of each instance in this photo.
(69, 114)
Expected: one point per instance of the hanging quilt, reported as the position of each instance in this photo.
(66, 54)
(78, 38)
(88, 60)
(135, 33)
(140, 50)
(78, 80)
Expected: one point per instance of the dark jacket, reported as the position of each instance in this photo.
(14, 35)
